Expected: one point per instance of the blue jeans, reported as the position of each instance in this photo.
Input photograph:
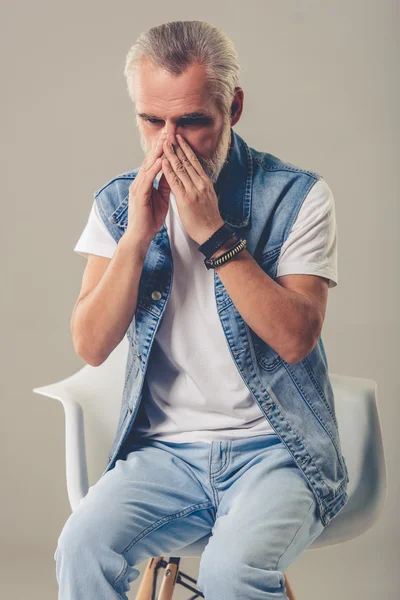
(161, 496)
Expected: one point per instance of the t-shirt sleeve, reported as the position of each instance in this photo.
(311, 247)
(95, 238)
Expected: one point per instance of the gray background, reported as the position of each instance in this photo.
(322, 91)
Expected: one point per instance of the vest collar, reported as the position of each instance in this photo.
(234, 184)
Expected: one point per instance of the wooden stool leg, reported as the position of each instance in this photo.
(145, 590)
(289, 591)
(168, 581)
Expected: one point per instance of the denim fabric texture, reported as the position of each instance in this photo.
(161, 496)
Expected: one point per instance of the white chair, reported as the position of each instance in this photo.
(91, 399)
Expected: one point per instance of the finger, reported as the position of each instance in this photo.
(155, 152)
(196, 179)
(163, 187)
(152, 173)
(146, 181)
(177, 166)
(191, 156)
(175, 183)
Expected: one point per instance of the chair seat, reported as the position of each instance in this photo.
(91, 399)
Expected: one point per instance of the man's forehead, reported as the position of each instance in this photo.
(159, 93)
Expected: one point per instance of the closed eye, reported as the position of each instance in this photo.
(153, 121)
(203, 121)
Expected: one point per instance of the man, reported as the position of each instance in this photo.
(227, 420)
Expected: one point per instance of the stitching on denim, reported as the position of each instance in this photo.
(159, 523)
(315, 411)
(281, 435)
(122, 573)
(128, 376)
(334, 508)
(270, 253)
(117, 178)
(210, 477)
(227, 462)
(307, 366)
(285, 167)
(269, 364)
(294, 536)
(121, 431)
(118, 213)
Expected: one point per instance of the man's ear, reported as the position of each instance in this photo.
(237, 106)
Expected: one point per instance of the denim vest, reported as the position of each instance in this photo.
(260, 196)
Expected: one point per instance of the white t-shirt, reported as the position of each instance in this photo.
(184, 405)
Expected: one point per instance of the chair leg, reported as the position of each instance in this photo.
(289, 591)
(169, 579)
(149, 579)
(148, 584)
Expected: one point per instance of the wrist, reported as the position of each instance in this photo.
(225, 247)
(137, 245)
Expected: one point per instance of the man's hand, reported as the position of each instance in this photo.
(147, 207)
(194, 192)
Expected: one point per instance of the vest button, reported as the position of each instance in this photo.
(156, 295)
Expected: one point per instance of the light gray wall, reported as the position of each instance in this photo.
(321, 91)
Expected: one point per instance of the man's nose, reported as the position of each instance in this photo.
(170, 133)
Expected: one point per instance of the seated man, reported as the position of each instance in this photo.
(215, 260)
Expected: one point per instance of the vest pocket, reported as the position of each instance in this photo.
(267, 357)
(268, 260)
(270, 363)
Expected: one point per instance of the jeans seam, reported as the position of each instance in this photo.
(227, 462)
(122, 573)
(210, 477)
(156, 525)
(294, 535)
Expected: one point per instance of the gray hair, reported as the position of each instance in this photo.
(175, 45)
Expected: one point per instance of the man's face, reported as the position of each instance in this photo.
(163, 100)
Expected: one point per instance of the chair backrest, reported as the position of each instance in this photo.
(99, 392)
(362, 446)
